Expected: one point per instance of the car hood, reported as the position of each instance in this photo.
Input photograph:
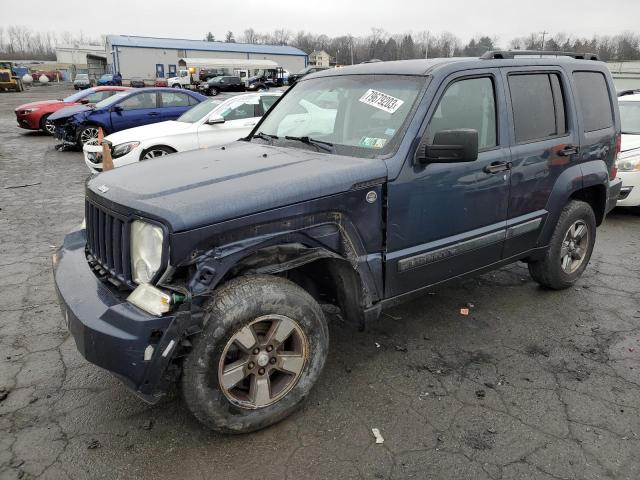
(203, 187)
(42, 103)
(147, 132)
(630, 142)
(69, 111)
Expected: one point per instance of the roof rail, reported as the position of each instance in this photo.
(504, 54)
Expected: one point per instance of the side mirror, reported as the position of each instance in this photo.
(450, 146)
(116, 108)
(84, 101)
(215, 119)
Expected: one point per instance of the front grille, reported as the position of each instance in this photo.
(108, 245)
(624, 193)
(5, 77)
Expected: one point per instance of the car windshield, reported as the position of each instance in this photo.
(215, 79)
(106, 77)
(359, 115)
(78, 96)
(82, 76)
(111, 100)
(630, 117)
(199, 111)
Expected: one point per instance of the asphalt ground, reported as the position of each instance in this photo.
(532, 384)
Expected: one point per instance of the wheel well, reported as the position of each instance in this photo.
(596, 197)
(157, 146)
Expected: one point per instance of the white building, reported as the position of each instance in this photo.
(77, 54)
(149, 57)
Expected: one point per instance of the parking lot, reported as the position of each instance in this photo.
(531, 384)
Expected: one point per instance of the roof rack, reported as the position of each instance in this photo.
(508, 54)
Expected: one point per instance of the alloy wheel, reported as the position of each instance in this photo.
(154, 153)
(89, 136)
(49, 127)
(263, 361)
(574, 246)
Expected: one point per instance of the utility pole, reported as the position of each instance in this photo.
(543, 33)
(351, 47)
(426, 47)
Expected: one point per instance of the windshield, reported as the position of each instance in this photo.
(215, 79)
(82, 76)
(111, 100)
(630, 117)
(198, 112)
(106, 77)
(361, 115)
(78, 96)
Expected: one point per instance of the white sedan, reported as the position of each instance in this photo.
(629, 157)
(212, 122)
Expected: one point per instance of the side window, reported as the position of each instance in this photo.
(139, 101)
(174, 99)
(239, 112)
(96, 97)
(595, 103)
(267, 102)
(193, 101)
(467, 103)
(534, 106)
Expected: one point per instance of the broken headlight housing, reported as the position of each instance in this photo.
(146, 250)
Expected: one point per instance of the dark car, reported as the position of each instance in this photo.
(362, 187)
(107, 79)
(79, 125)
(137, 82)
(219, 84)
(294, 77)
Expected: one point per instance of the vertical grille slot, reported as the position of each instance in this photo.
(108, 243)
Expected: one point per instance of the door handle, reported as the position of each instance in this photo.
(153, 114)
(497, 167)
(568, 150)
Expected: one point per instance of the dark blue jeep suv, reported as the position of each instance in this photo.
(363, 186)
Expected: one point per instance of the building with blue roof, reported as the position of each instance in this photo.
(151, 57)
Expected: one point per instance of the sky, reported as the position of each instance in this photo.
(192, 19)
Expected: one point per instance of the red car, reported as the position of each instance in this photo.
(33, 116)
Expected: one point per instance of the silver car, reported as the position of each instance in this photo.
(81, 81)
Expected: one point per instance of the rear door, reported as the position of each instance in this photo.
(139, 109)
(173, 104)
(544, 143)
(240, 118)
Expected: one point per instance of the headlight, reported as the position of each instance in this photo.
(122, 149)
(29, 110)
(146, 251)
(629, 161)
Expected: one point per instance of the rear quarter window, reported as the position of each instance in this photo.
(595, 102)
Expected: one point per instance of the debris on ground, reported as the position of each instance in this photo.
(93, 444)
(481, 393)
(22, 185)
(347, 369)
(378, 345)
(470, 305)
(400, 348)
(491, 430)
(148, 425)
(464, 311)
(4, 393)
(376, 433)
(489, 385)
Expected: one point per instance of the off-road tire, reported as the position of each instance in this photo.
(548, 271)
(233, 306)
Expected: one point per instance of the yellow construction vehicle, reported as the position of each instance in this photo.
(8, 80)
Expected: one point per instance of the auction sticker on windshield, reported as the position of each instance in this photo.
(381, 100)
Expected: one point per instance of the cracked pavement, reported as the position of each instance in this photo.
(532, 384)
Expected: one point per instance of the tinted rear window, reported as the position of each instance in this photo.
(595, 103)
(534, 108)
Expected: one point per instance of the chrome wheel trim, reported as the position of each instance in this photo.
(574, 246)
(89, 134)
(263, 361)
(153, 153)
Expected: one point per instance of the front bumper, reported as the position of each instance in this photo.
(112, 333)
(66, 132)
(630, 194)
(28, 121)
(93, 157)
(613, 193)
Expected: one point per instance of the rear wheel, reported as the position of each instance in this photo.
(570, 248)
(154, 152)
(262, 348)
(213, 91)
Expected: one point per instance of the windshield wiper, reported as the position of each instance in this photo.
(265, 136)
(319, 144)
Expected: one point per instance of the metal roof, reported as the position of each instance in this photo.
(182, 44)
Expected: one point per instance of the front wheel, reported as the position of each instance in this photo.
(176, 85)
(213, 91)
(263, 346)
(88, 136)
(154, 152)
(46, 125)
(570, 248)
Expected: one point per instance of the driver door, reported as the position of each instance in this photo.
(239, 119)
(448, 219)
(136, 110)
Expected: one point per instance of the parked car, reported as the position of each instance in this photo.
(79, 125)
(160, 82)
(35, 115)
(106, 79)
(81, 81)
(219, 84)
(294, 77)
(629, 158)
(208, 267)
(137, 82)
(52, 75)
(212, 122)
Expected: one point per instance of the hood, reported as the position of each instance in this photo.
(69, 111)
(42, 103)
(203, 187)
(147, 132)
(630, 142)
